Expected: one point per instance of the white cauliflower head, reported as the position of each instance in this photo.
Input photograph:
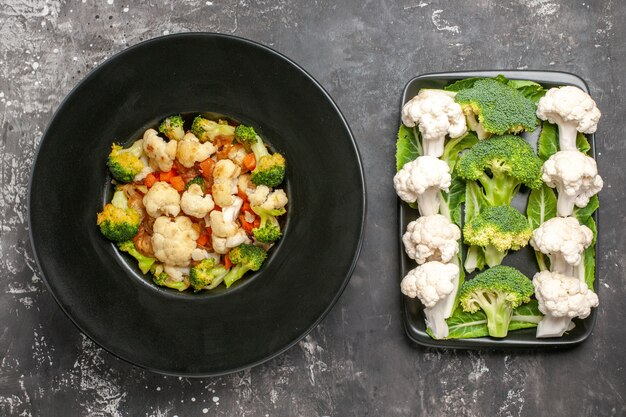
(561, 298)
(563, 239)
(195, 203)
(162, 199)
(222, 245)
(160, 153)
(421, 180)
(223, 222)
(225, 176)
(431, 238)
(176, 273)
(575, 176)
(173, 240)
(430, 282)
(572, 110)
(437, 115)
(190, 150)
(263, 198)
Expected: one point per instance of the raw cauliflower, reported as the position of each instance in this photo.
(190, 150)
(575, 176)
(572, 110)
(173, 240)
(162, 199)
(431, 238)
(561, 298)
(195, 203)
(437, 115)
(224, 187)
(421, 180)
(160, 153)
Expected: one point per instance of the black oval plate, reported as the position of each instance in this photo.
(524, 259)
(203, 334)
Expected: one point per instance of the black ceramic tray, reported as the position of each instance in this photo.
(524, 259)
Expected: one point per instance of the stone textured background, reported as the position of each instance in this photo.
(357, 362)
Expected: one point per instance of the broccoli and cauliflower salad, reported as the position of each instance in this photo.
(196, 207)
(461, 158)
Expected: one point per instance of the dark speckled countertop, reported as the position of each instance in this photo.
(357, 362)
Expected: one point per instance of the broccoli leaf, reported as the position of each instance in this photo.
(584, 213)
(463, 84)
(541, 207)
(408, 146)
(473, 201)
(582, 143)
(454, 147)
(529, 89)
(548, 143)
(450, 202)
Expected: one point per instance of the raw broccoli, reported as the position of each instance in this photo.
(500, 108)
(495, 231)
(246, 135)
(145, 262)
(125, 164)
(206, 275)
(245, 258)
(206, 129)
(161, 278)
(117, 221)
(172, 127)
(196, 180)
(497, 292)
(501, 164)
(269, 229)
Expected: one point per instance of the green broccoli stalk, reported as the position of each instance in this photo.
(125, 164)
(208, 130)
(245, 258)
(117, 221)
(196, 180)
(495, 231)
(499, 107)
(497, 292)
(246, 135)
(145, 262)
(162, 279)
(269, 229)
(207, 274)
(172, 127)
(501, 164)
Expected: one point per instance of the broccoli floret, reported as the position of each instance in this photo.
(206, 129)
(497, 292)
(145, 262)
(125, 164)
(172, 127)
(245, 258)
(500, 108)
(269, 229)
(162, 279)
(196, 180)
(117, 221)
(501, 164)
(246, 135)
(206, 275)
(270, 168)
(495, 230)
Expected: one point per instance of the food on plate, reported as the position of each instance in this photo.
(447, 166)
(186, 204)
(497, 292)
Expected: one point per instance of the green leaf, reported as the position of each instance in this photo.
(408, 146)
(541, 207)
(474, 200)
(529, 89)
(548, 143)
(463, 84)
(450, 202)
(582, 143)
(454, 147)
(584, 213)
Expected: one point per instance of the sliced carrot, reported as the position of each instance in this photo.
(203, 239)
(257, 222)
(246, 226)
(167, 176)
(246, 207)
(206, 167)
(178, 183)
(150, 180)
(227, 262)
(249, 161)
(242, 194)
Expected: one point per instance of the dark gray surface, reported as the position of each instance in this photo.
(358, 362)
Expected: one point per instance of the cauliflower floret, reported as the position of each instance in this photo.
(160, 152)
(224, 187)
(147, 169)
(421, 180)
(266, 200)
(575, 176)
(561, 298)
(190, 150)
(200, 254)
(236, 154)
(573, 110)
(162, 199)
(226, 233)
(173, 240)
(245, 184)
(220, 226)
(437, 115)
(194, 203)
(222, 245)
(176, 273)
(258, 195)
(431, 238)
(436, 285)
(563, 239)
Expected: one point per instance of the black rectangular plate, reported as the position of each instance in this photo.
(524, 259)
